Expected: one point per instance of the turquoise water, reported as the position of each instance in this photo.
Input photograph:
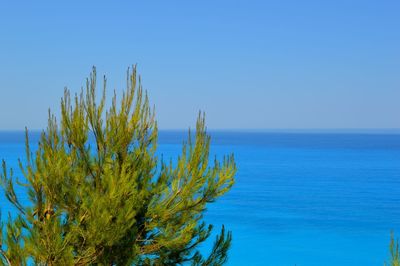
(299, 198)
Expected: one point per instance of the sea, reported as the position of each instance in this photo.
(300, 198)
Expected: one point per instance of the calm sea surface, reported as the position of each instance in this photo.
(299, 198)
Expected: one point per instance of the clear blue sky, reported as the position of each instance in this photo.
(247, 64)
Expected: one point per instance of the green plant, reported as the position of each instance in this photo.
(99, 194)
(394, 252)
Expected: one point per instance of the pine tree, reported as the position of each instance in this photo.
(99, 194)
(394, 252)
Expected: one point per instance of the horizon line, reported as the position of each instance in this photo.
(265, 130)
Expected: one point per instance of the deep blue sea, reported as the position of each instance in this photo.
(299, 199)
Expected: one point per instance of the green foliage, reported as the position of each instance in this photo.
(394, 252)
(100, 196)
